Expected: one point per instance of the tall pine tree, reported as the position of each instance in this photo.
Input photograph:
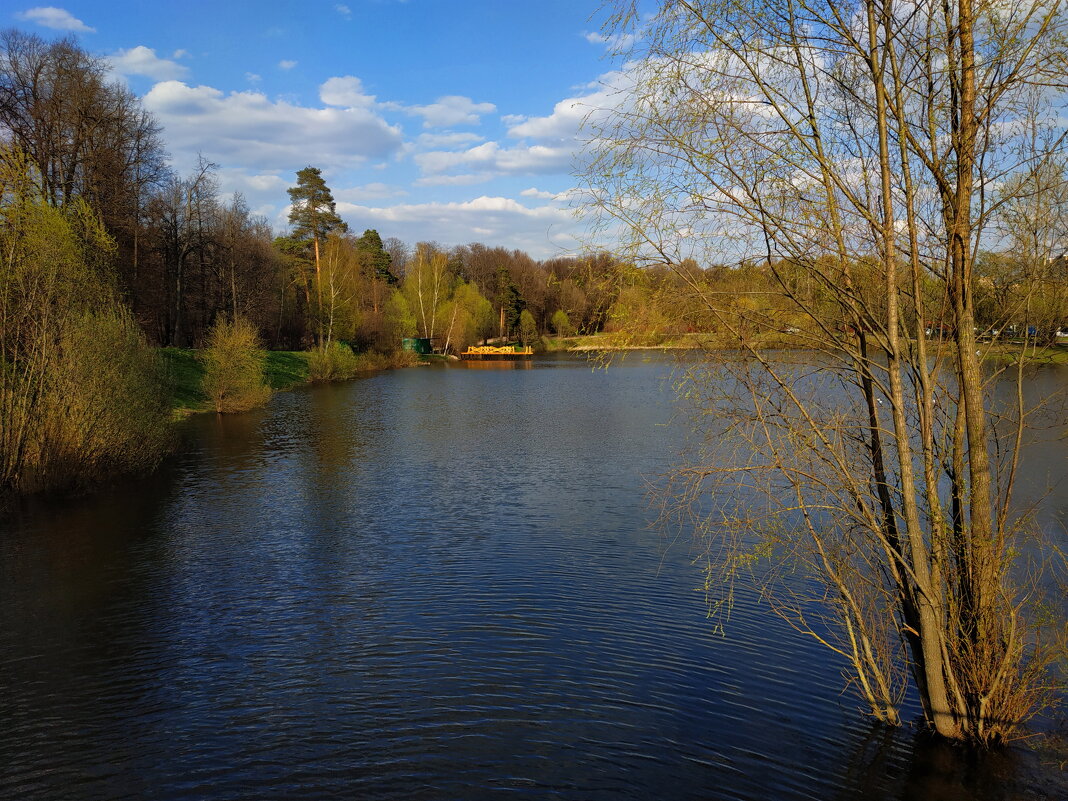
(314, 212)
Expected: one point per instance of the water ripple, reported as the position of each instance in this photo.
(428, 584)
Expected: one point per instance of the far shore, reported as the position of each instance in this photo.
(1002, 351)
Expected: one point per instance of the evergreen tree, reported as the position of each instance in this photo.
(314, 212)
(379, 261)
(509, 300)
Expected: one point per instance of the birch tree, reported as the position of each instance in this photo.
(851, 141)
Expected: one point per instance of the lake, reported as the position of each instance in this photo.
(432, 583)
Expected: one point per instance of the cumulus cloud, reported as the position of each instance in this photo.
(250, 129)
(543, 145)
(538, 193)
(491, 157)
(238, 179)
(56, 18)
(448, 111)
(455, 180)
(565, 122)
(252, 77)
(542, 231)
(286, 64)
(180, 53)
(445, 140)
(143, 60)
(346, 92)
(372, 191)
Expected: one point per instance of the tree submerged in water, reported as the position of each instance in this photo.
(857, 152)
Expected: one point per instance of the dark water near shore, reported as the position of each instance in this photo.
(430, 583)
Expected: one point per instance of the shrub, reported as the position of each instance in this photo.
(234, 366)
(81, 394)
(104, 408)
(403, 358)
(333, 361)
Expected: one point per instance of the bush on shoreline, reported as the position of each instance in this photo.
(81, 393)
(234, 367)
(333, 361)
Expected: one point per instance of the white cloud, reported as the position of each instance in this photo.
(491, 157)
(276, 135)
(343, 10)
(548, 144)
(614, 43)
(443, 140)
(346, 92)
(143, 60)
(563, 124)
(285, 64)
(252, 77)
(372, 191)
(180, 53)
(541, 231)
(538, 193)
(448, 111)
(568, 116)
(455, 180)
(238, 179)
(56, 18)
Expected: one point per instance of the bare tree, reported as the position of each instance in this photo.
(88, 139)
(858, 143)
(180, 217)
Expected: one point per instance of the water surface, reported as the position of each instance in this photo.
(430, 583)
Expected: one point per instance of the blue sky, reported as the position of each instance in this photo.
(446, 120)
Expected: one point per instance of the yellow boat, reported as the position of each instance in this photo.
(497, 352)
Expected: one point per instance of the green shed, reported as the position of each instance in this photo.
(417, 344)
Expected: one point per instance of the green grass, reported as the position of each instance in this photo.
(285, 369)
(186, 375)
(1008, 352)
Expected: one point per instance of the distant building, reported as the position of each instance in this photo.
(418, 344)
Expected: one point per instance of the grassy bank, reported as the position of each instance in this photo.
(284, 370)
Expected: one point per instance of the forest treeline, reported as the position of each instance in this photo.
(184, 254)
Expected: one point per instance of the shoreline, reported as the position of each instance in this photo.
(1006, 352)
(284, 370)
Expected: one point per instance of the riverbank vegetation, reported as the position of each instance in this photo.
(234, 366)
(81, 392)
(110, 255)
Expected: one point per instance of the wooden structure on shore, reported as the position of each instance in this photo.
(480, 352)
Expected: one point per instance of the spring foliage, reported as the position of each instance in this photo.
(81, 394)
(233, 366)
(859, 153)
(332, 361)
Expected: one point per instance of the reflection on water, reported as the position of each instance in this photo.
(496, 364)
(431, 583)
